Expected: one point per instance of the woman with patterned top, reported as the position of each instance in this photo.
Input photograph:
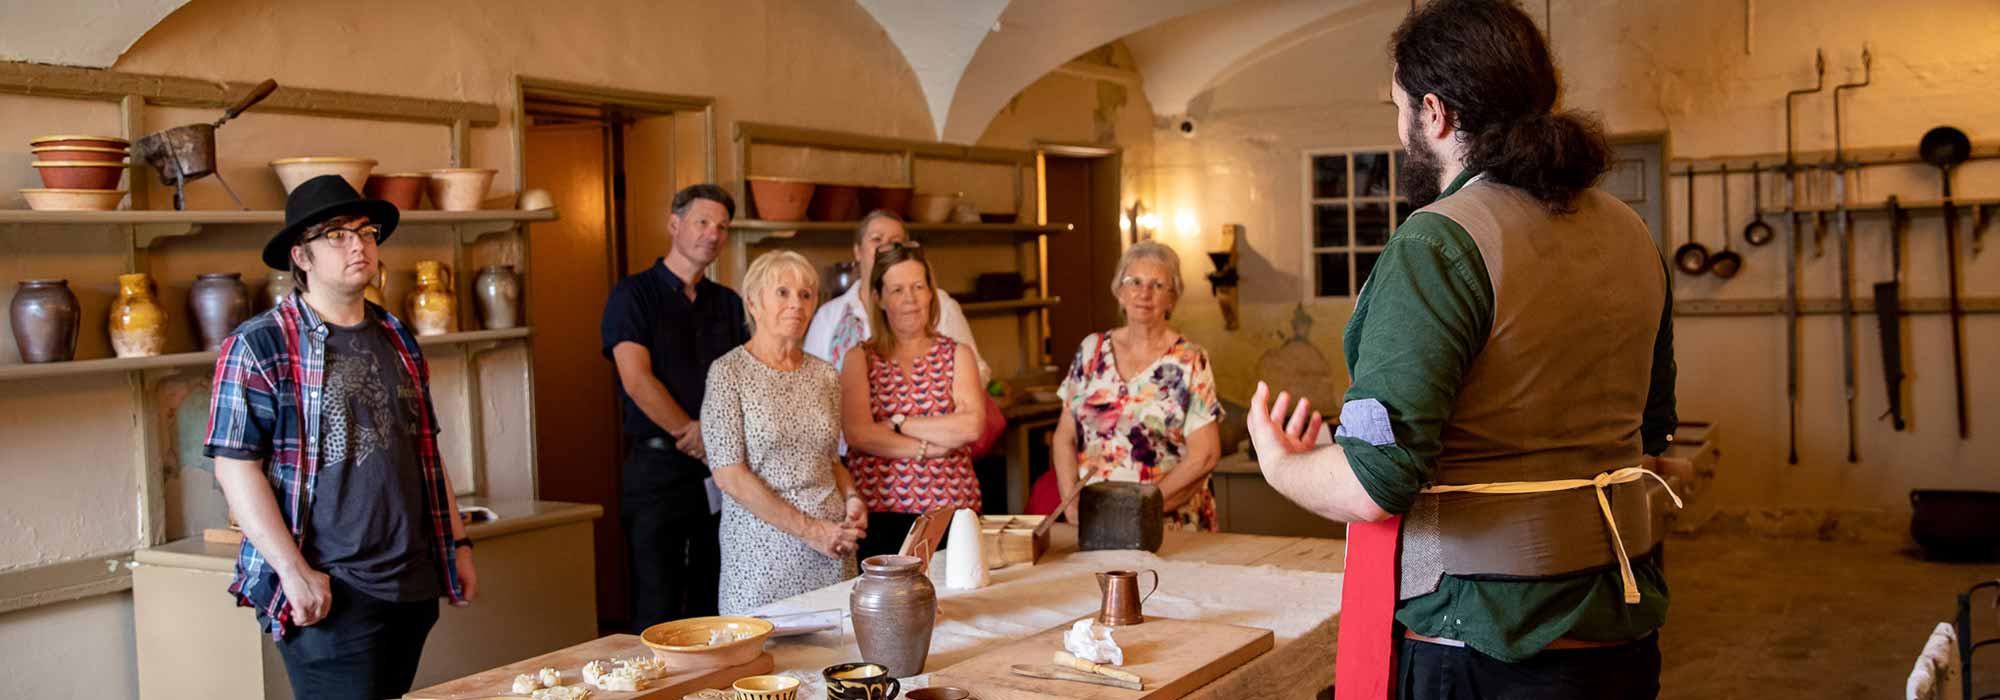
(1142, 398)
(911, 402)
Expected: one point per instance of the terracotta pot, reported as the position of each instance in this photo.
(405, 190)
(432, 309)
(460, 189)
(72, 200)
(835, 202)
(138, 324)
(895, 198)
(498, 289)
(780, 199)
(295, 171)
(220, 302)
(79, 174)
(44, 319)
(933, 208)
(94, 154)
(277, 286)
(894, 607)
(80, 140)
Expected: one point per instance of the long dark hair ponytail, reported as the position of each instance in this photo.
(1488, 63)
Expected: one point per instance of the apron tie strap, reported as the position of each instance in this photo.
(1599, 483)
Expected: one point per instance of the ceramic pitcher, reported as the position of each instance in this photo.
(432, 308)
(220, 302)
(44, 318)
(498, 290)
(138, 324)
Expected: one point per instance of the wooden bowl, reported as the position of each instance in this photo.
(405, 190)
(780, 198)
(93, 154)
(460, 189)
(72, 200)
(683, 644)
(79, 174)
(295, 171)
(81, 140)
(835, 202)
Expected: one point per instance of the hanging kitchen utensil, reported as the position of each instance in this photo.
(184, 154)
(1946, 147)
(1792, 265)
(1819, 218)
(1846, 242)
(1727, 263)
(1889, 316)
(1691, 257)
(1757, 232)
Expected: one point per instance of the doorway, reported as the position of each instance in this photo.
(1080, 187)
(611, 160)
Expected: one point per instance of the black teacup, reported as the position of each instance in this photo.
(861, 681)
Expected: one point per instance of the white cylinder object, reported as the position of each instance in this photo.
(965, 559)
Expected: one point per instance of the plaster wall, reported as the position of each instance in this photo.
(1680, 70)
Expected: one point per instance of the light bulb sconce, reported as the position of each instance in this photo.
(1141, 222)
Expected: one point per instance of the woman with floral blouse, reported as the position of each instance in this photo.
(1142, 398)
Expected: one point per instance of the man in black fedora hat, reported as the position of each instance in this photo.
(325, 445)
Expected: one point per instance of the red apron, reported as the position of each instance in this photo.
(1364, 662)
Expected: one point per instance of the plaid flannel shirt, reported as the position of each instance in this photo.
(266, 403)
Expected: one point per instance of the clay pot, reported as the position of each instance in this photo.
(138, 324)
(498, 289)
(277, 286)
(79, 174)
(44, 319)
(219, 302)
(94, 154)
(833, 202)
(295, 171)
(779, 198)
(405, 190)
(460, 189)
(895, 198)
(432, 309)
(894, 608)
(933, 208)
(72, 200)
(80, 140)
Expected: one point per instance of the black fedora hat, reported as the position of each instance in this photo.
(319, 199)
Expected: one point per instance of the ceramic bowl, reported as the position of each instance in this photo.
(933, 208)
(943, 692)
(95, 154)
(895, 198)
(832, 201)
(72, 200)
(295, 171)
(537, 200)
(405, 190)
(460, 189)
(79, 174)
(780, 198)
(766, 688)
(80, 140)
(683, 644)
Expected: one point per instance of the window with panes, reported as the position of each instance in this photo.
(1352, 208)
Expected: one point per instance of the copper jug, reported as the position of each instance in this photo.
(1121, 596)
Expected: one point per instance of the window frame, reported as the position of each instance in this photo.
(1310, 251)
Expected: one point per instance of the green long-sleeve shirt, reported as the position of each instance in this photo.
(1423, 316)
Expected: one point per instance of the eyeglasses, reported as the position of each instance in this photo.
(1135, 284)
(340, 237)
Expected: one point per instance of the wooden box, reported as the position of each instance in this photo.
(1012, 539)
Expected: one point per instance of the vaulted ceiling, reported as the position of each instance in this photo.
(970, 56)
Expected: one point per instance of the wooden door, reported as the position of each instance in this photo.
(1082, 192)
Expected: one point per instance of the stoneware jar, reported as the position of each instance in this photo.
(220, 302)
(277, 286)
(44, 319)
(894, 607)
(432, 309)
(138, 324)
(498, 289)
(374, 291)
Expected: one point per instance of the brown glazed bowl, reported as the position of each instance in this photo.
(405, 190)
(94, 154)
(79, 174)
(81, 140)
(780, 198)
(895, 198)
(835, 202)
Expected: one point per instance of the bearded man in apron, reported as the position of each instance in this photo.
(1513, 384)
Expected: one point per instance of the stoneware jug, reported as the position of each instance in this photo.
(498, 289)
(1122, 601)
(138, 324)
(44, 314)
(220, 302)
(277, 286)
(432, 308)
(894, 607)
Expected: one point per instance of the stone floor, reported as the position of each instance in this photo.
(1762, 617)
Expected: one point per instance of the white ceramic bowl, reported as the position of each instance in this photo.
(295, 171)
(460, 189)
(42, 199)
(933, 208)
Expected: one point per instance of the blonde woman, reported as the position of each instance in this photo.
(771, 423)
(1142, 398)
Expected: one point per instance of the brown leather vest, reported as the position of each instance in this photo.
(1558, 391)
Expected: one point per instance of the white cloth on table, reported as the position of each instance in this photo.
(1937, 667)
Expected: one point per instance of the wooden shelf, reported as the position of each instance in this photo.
(111, 365)
(988, 308)
(755, 230)
(151, 225)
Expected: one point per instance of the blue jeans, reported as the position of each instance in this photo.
(365, 649)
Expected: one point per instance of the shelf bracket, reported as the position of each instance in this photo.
(144, 235)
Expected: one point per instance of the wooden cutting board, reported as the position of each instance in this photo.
(1173, 657)
(499, 682)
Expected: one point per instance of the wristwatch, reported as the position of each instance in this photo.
(896, 422)
(465, 542)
